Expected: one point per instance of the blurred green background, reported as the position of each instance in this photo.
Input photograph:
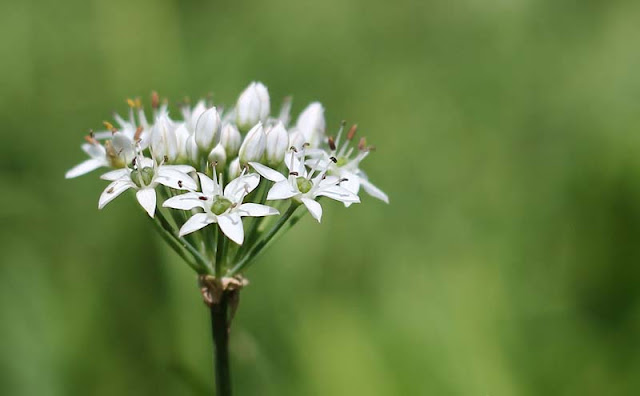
(506, 264)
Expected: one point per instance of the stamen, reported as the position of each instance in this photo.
(352, 132)
(202, 198)
(155, 100)
(292, 148)
(362, 144)
(332, 143)
(110, 190)
(138, 103)
(109, 126)
(293, 174)
(180, 183)
(138, 133)
(131, 103)
(333, 159)
(90, 139)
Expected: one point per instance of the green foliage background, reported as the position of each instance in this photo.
(506, 264)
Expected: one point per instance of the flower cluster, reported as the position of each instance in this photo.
(218, 166)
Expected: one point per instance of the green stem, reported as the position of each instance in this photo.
(220, 250)
(220, 333)
(265, 241)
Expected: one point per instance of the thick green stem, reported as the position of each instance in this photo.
(220, 332)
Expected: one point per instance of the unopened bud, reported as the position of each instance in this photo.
(253, 146)
(163, 139)
(252, 106)
(207, 133)
(296, 139)
(230, 139)
(311, 123)
(182, 135)
(277, 145)
(192, 116)
(218, 157)
(191, 149)
(234, 169)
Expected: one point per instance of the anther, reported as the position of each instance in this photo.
(343, 123)
(166, 158)
(293, 173)
(138, 103)
(180, 183)
(155, 100)
(131, 103)
(333, 159)
(90, 139)
(362, 144)
(352, 131)
(332, 143)
(110, 190)
(138, 133)
(292, 148)
(306, 144)
(109, 126)
(202, 198)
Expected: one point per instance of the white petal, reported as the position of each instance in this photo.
(338, 193)
(231, 225)
(95, 150)
(175, 179)
(241, 186)
(147, 199)
(180, 168)
(115, 174)
(256, 210)
(196, 222)
(314, 208)
(84, 167)
(208, 187)
(281, 190)
(186, 201)
(113, 190)
(352, 184)
(267, 172)
(373, 190)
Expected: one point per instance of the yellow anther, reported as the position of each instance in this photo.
(131, 103)
(138, 103)
(108, 125)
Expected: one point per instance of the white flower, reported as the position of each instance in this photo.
(339, 162)
(98, 159)
(253, 146)
(276, 145)
(207, 133)
(145, 176)
(222, 206)
(311, 124)
(115, 153)
(234, 168)
(191, 116)
(302, 186)
(252, 106)
(230, 139)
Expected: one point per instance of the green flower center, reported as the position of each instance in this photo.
(142, 177)
(304, 185)
(342, 161)
(220, 205)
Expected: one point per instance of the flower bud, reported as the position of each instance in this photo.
(230, 139)
(191, 116)
(296, 139)
(218, 157)
(234, 169)
(163, 139)
(207, 133)
(311, 123)
(182, 134)
(191, 149)
(252, 106)
(277, 145)
(253, 146)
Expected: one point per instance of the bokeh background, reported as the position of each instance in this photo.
(508, 141)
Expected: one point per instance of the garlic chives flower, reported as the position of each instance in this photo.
(221, 205)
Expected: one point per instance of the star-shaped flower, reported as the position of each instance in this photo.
(221, 205)
(304, 186)
(144, 177)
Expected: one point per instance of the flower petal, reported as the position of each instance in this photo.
(84, 167)
(337, 193)
(231, 225)
(186, 201)
(180, 168)
(281, 190)
(113, 190)
(208, 186)
(174, 179)
(115, 174)
(147, 199)
(196, 222)
(240, 186)
(314, 208)
(256, 210)
(373, 190)
(267, 172)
